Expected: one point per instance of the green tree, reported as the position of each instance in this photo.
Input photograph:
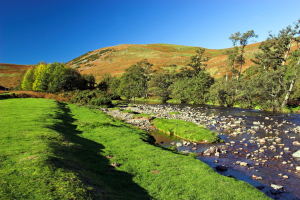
(147, 70)
(90, 80)
(160, 85)
(242, 39)
(192, 84)
(233, 60)
(105, 82)
(28, 80)
(132, 82)
(198, 61)
(192, 89)
(276, 73)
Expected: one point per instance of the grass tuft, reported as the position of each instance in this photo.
(185, 130)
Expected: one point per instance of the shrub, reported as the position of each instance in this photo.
(101, 101)
(84, 97)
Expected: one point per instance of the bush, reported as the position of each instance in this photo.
(84, 97)
(100, 101)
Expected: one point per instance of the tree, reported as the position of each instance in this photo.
(160, 85)
(233, 59)
(28, 80)
(147, 69)
(192, 84)
(90, 80)
(105, 82)
(272, 60)
(132, 82)
(197, 62)
(192, 89)
(242, 39)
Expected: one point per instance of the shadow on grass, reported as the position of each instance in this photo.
(82, 156)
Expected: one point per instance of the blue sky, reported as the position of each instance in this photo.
(60, 30)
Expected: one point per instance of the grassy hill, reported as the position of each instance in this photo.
(10, 74)
(116, 59)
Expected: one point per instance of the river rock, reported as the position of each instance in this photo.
(298, 168)
(296, 154)
(178, 144)
(243, 164)
(276, 187)
(221, 168)
(185, 151)
(296, 143)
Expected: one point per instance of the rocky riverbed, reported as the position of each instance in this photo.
(260, 148)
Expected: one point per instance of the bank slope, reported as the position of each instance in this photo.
(88, 154)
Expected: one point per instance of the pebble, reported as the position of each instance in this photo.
(285, 177)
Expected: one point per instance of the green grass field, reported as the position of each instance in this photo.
(52, 150)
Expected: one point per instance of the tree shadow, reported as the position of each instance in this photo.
(83, 157)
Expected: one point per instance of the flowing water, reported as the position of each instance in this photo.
(269, 165)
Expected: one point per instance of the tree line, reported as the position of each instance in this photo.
(55, 77)
(270, 82)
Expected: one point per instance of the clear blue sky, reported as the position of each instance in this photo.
(60, 30)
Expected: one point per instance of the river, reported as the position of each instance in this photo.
(264, 141)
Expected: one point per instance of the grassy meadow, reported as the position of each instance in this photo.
(52, 150)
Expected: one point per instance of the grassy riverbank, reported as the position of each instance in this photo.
(51, 150)
(186, 130)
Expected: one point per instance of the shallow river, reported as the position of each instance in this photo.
(265, 166)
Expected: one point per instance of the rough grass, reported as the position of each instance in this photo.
(185, 130)
(51, 150)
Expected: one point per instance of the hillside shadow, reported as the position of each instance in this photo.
(83, 157)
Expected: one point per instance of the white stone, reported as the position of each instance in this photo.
(178, 144)
(298, 168)
(296, 154)
(276, 187)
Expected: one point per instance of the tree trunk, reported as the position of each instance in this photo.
(286, 53)
(241, 65)
(287, 96)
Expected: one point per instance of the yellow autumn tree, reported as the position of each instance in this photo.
(40, 72)
(28, 80)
